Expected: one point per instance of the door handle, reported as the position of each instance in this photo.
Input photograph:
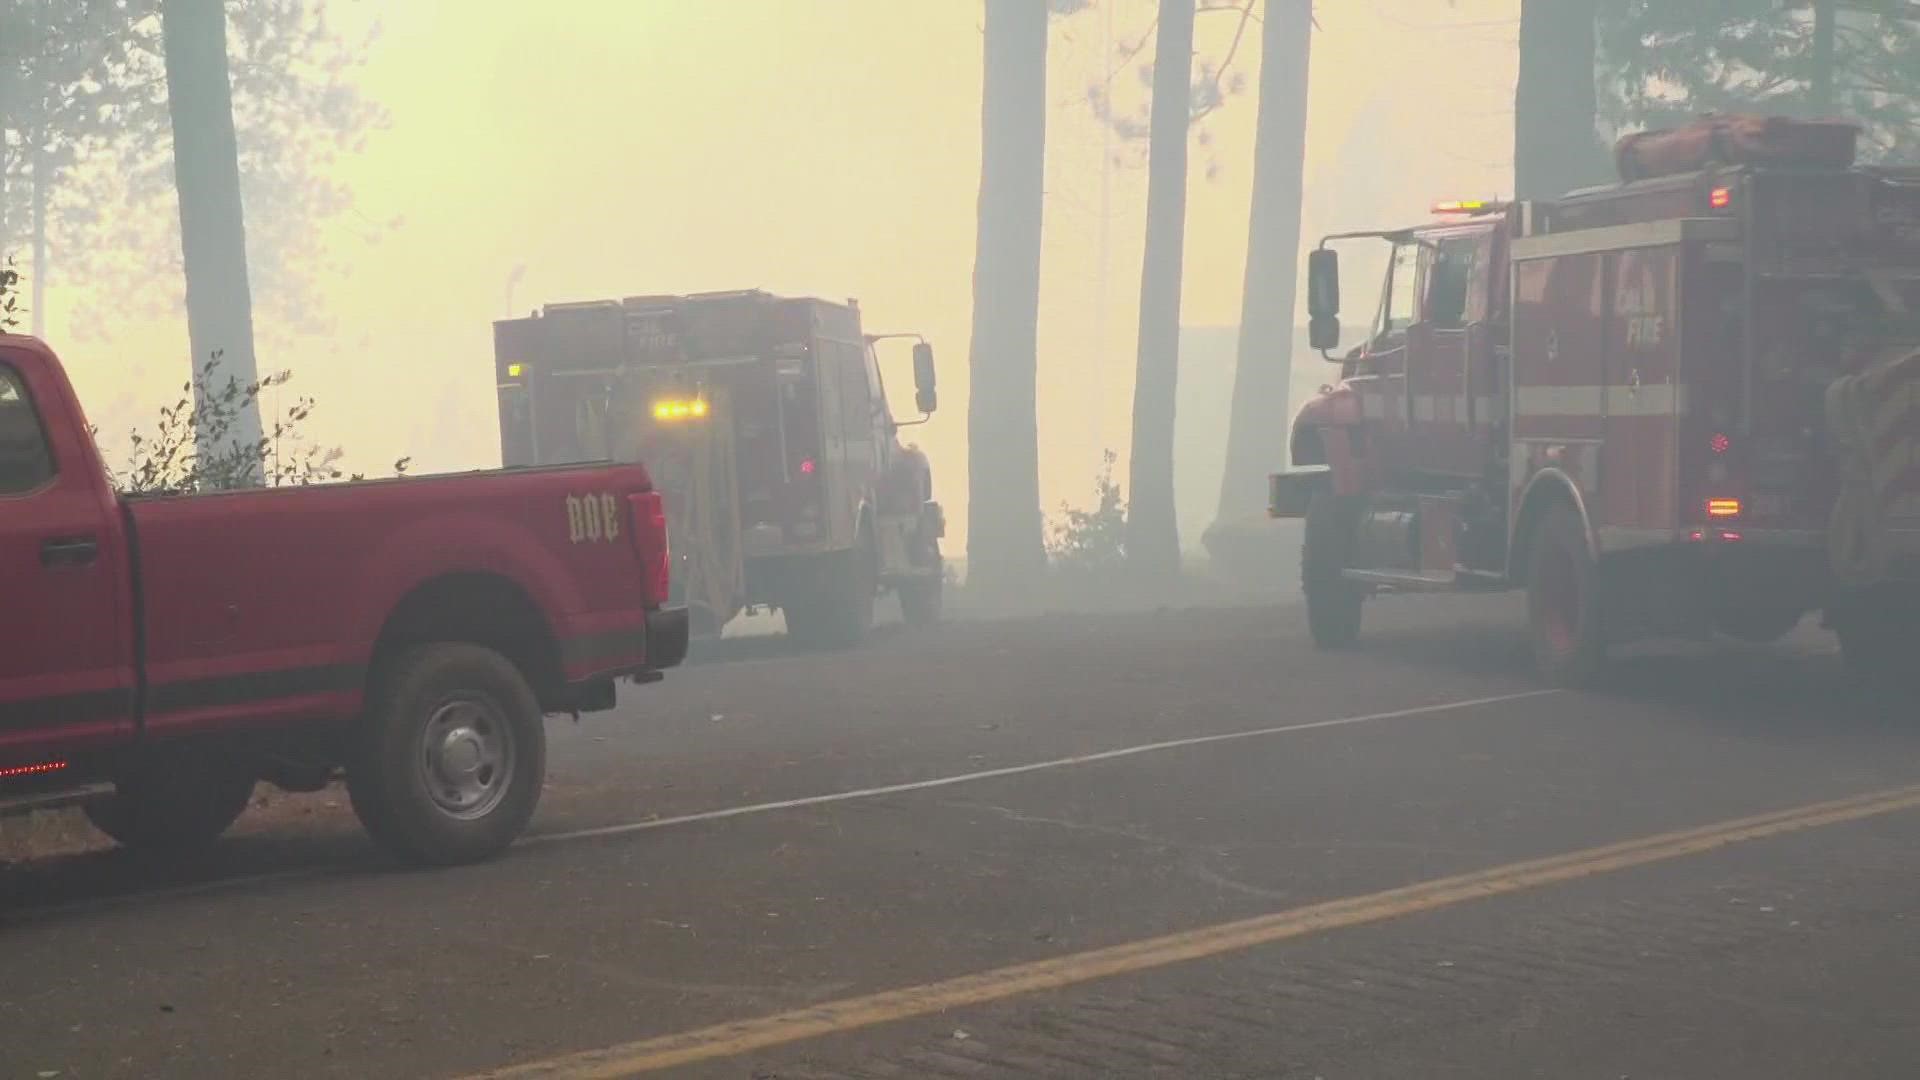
(69, 551)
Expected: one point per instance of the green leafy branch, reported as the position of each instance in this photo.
(1092, 540)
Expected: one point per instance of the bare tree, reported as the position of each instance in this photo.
(1556, 144)
(1256, 427)
(1153, 540)
(1004, 540)
(206, 166)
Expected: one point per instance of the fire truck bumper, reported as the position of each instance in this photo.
(1290, 492)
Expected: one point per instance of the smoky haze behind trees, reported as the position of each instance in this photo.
(864, 163)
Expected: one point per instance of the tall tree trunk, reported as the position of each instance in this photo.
(206, 170)
(1263, 376)
(1822, 101)
(1005, 550)
(1556, 145)
(38, 312)
(1153, 538)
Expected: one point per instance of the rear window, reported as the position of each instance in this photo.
(25, 463)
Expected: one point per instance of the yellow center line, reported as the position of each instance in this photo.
(851, 1014)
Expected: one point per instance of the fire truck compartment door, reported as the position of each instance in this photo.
(1642, 400)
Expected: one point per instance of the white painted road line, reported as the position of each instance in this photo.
(299, 873)
(1018, 770)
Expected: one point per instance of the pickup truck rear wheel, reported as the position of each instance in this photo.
(1333, 602)
(1563, 602)
(452, 755)
(173, 806)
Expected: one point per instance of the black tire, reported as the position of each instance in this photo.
(1333, 602)
(834, 609)
(448, 722)
(181, 804)
(1563, 602)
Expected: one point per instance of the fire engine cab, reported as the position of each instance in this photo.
(1673, 406)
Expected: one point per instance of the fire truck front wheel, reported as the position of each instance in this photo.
(1563, 604)
(1333, 602)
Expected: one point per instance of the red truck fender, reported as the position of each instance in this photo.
(1545, 489)
(1321, 437)
(467, 549)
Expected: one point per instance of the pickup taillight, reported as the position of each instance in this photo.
(649, 534)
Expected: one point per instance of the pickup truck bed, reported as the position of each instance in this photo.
(409, 632)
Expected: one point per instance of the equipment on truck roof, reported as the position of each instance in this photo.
(1716, 139)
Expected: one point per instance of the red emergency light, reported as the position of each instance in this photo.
(12, 771)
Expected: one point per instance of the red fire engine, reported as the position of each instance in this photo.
(1677, 405)
(766, 424)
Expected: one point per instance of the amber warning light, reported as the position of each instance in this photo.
(1468, 207)
(1723, 508)
(680, 410)
(1720, 198)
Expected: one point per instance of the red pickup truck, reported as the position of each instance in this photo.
(161, 655)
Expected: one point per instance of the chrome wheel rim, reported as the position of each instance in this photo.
(467, 756)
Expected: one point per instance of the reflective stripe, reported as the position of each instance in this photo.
(1443, 408)
(1650, 399)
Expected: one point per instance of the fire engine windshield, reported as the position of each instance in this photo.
(1397, 301)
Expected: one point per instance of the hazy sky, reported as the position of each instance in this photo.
(812, 146)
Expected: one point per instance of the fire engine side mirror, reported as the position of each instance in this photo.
(926, 396)
(1323, 298)
(1323, 334)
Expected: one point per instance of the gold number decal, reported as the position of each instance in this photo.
(609, 517)
(593, 518)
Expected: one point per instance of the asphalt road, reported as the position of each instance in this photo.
(1174, 843)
